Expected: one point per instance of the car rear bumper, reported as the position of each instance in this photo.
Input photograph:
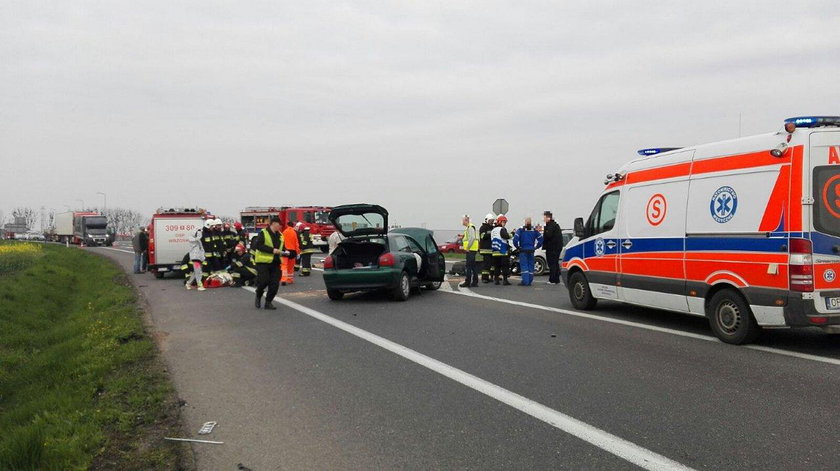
(362, 279)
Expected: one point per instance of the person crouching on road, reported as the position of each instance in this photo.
(307, 248)
(527, 240)
(292, 246)
(197, 259)
(471, 247)
(485, 247)
(242, 267)
(501, 250)
(268, 247)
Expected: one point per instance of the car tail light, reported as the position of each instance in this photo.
(329, 262)
(818, 320)
(801, 265)
(386, 260)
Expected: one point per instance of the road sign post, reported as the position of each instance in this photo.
(500, 206)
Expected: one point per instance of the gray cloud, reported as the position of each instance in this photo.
(431, 109)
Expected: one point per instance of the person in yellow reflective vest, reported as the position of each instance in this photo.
(471, 247)
(307, 248)
(268, 248)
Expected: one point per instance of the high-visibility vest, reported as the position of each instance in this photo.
(474, 246)
(262, 257)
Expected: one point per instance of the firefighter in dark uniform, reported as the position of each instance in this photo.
(307, 248)
(219, 248)
(241, 235)
(268, 247)
(242, 267)
(229, 237)
(485, 248)
(209, 245)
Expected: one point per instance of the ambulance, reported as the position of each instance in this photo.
(745, 232)
(169, 237)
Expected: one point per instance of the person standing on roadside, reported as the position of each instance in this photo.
(139, 250)
(553, 243)
(197, 259)
(307, 248)
(471, 247)
(292, 246)
(527, 240)
(501, 250)
(268, 247)
(144, 246)
(485, 247)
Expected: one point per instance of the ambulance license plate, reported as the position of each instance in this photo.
(832, 304)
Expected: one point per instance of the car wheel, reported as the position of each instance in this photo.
(539, 266)
(434, 286)
(579, 292)
(403, 289)
(731, 319)
(335, 294)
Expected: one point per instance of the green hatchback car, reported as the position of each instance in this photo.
(372, 258)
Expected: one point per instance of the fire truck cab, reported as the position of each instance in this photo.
(745, 232)
(255, 219)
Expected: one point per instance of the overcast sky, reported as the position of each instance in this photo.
(431, 109)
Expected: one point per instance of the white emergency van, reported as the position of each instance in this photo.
(745, 232)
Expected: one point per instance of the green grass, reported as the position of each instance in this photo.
(81, 386)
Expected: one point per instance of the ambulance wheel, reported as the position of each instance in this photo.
(433, 286)
(335, 294)
(158, 274)
(579, 292)
(731, 319)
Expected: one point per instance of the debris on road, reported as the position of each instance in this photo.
(207, 428)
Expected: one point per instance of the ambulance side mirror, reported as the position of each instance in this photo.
(579, 229)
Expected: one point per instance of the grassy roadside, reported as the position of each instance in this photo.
(81, 385)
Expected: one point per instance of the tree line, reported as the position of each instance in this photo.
(120, 220)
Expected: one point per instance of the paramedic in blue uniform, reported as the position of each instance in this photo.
(527, 240)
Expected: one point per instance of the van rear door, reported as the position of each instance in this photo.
(825, 190)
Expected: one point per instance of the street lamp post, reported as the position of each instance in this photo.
(104, 200)
(84, 206)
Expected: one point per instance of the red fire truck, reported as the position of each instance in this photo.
(169, 234)
(255, 219)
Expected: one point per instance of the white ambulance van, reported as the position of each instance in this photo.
(745, 232)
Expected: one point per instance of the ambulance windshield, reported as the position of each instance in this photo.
(827, 199)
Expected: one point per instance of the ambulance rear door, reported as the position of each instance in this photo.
(824, 155)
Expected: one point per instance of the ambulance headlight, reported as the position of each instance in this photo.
(779, 150)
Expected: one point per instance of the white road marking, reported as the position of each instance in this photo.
(618, 446)
(804, 356)
(118, 250)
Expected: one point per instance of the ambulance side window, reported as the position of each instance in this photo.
(603, 216)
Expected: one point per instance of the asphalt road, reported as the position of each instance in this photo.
(490, 378)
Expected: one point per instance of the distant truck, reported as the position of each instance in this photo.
(255, 219)
(82, 228)
(169, 234)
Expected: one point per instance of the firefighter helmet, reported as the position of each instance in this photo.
(237, 226)
(307, 228)
(501, 218)
(208, 224)
(489, 217)
(217, 222)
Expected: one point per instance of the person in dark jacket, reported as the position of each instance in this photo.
(268, 248)
(139, 251)
(527, 240)
(553, 244)
(485, 247)
(242, 267)
(307, 248)
(209, 246)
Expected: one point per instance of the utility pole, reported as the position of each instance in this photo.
(104, 200)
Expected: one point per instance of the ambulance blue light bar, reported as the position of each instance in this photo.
(814, 121)
(657, 150)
